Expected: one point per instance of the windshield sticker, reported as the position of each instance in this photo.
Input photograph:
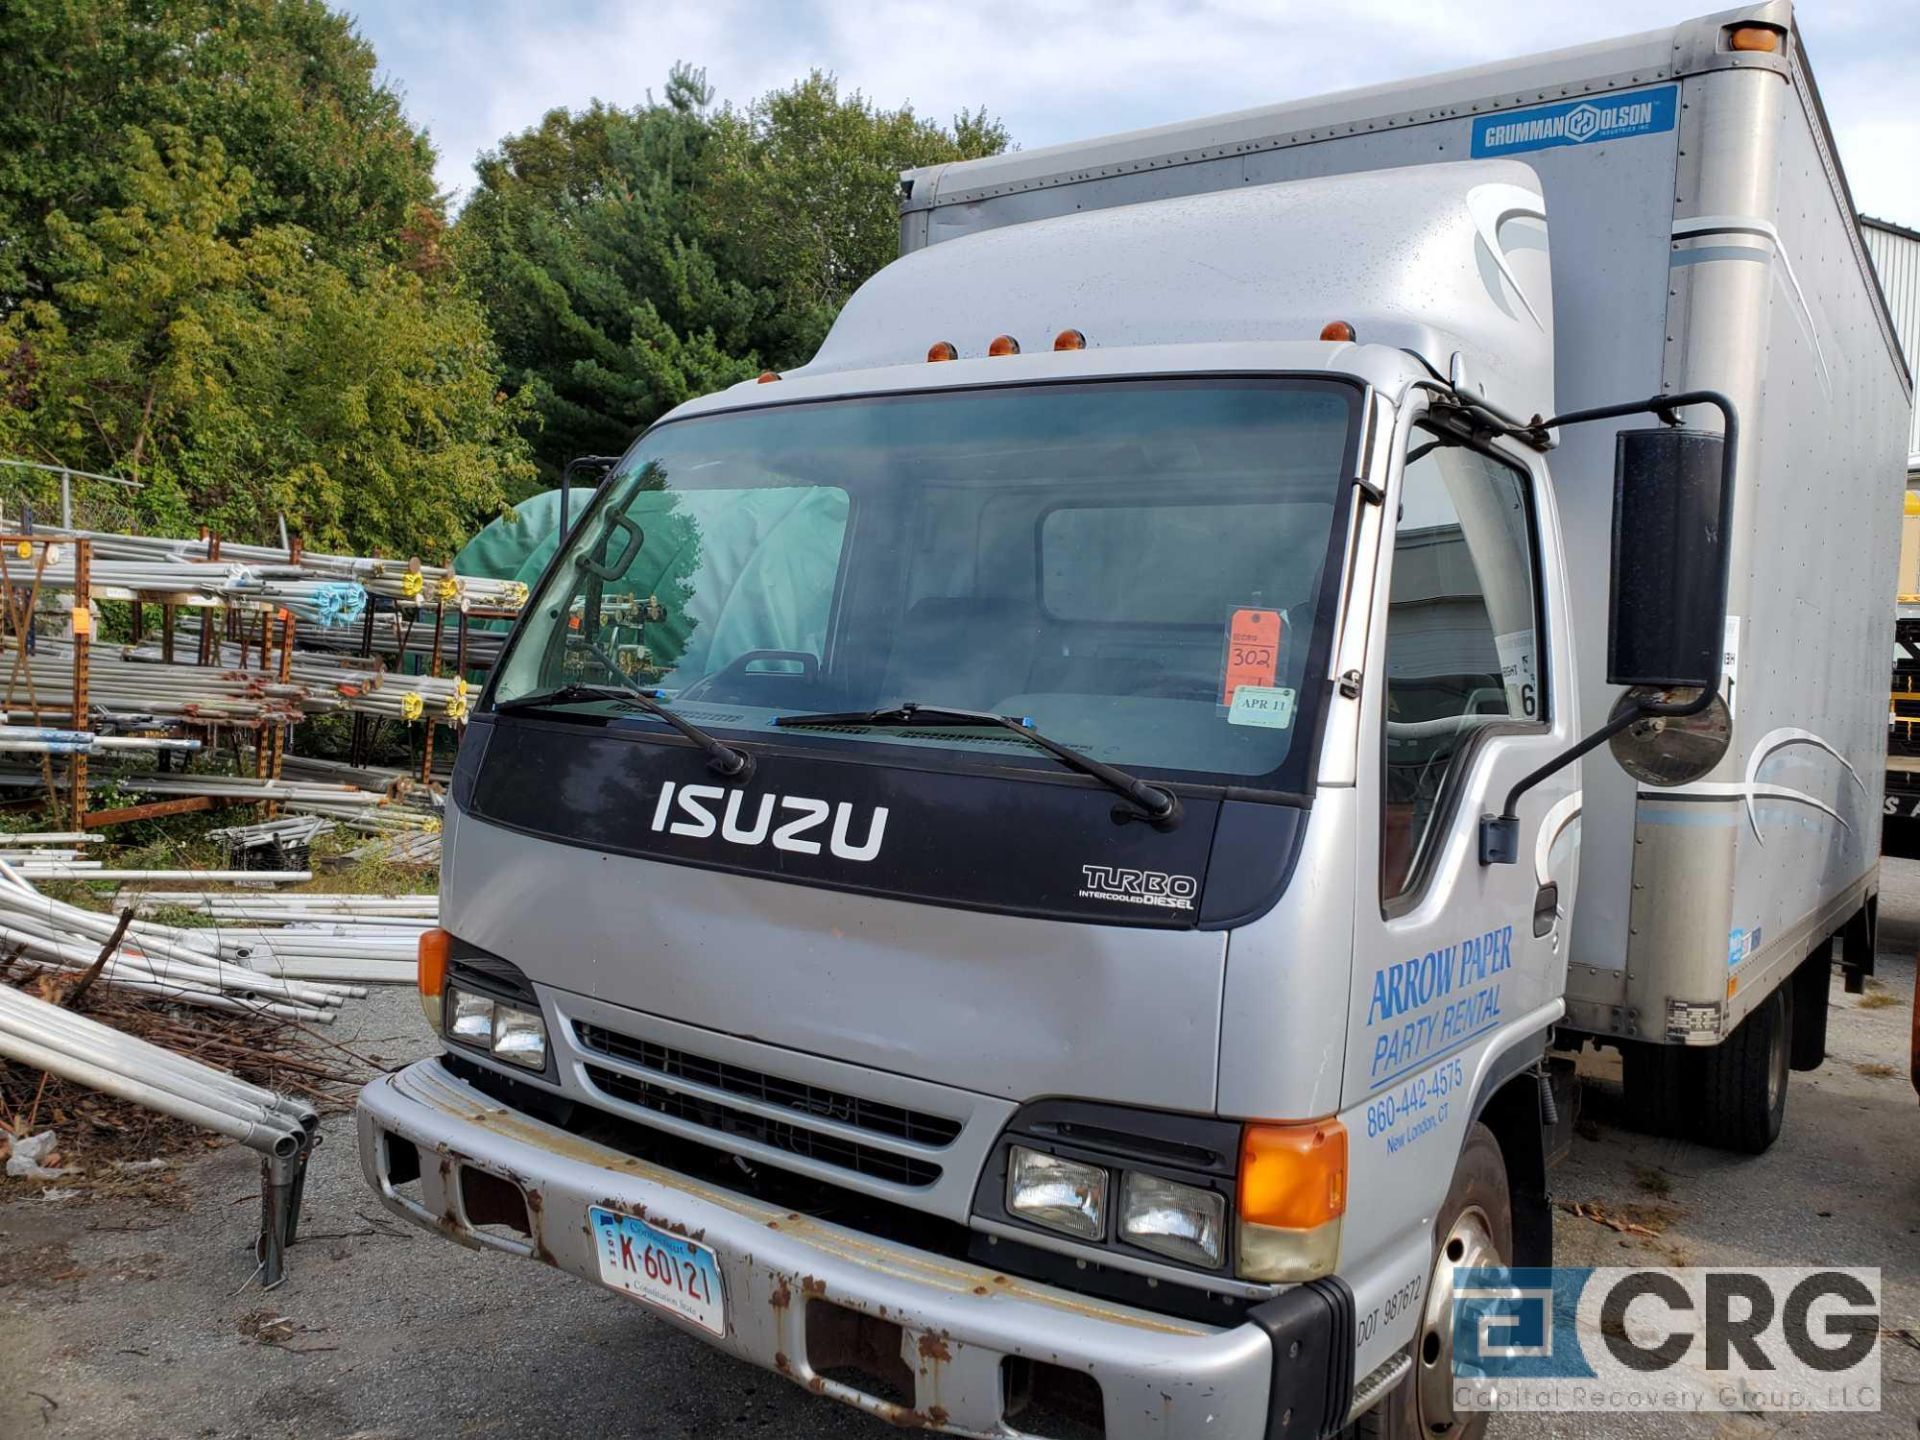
(1138, 887)
(1267, 705)
(1518, 673)
(1254, 638)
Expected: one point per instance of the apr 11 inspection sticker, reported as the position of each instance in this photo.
(1250, 669)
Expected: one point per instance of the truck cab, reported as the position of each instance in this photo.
(1148, 1088)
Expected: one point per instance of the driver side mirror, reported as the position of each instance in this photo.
(1666, 625)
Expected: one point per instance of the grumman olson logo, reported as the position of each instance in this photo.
(1576, 122)
(683, 810)
(1580, 124)
(1138, 887)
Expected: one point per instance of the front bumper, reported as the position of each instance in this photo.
(958, 1324)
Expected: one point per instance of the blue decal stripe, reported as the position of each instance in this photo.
(1588, 121)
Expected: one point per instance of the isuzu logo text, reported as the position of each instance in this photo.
(741, 819)
(1138, 887)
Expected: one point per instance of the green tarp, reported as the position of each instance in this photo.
(735, 570)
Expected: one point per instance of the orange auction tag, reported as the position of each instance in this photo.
(1253, 650)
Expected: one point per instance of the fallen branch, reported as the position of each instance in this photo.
(92, 972)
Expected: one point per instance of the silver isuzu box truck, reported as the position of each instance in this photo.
(1033, 871)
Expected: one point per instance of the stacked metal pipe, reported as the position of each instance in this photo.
(230, 788)
(127, 684)
(192, 967)
(295, 830)
(281, 1129)
(44, 740)
(406, 581)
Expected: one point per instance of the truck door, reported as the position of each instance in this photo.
(1454, 959)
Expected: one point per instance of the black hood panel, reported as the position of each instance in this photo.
(1025, 842)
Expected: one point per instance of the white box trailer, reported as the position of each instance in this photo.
(1702, 237)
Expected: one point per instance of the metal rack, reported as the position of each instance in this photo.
(27, 592)
(29, 553)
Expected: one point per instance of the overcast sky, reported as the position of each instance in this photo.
(1053, 70)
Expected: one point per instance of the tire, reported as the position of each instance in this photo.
(1478, 1198)
(1744, 1080)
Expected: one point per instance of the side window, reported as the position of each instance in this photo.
(1462, 635)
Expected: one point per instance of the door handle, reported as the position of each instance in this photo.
(1546, 909)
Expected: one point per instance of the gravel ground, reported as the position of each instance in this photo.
(122, 1319)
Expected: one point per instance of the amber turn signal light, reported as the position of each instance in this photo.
(941, 350)
(436, 946)
(1337, 330)
(1293, 1177)
(1753, 37)
(1004, 345)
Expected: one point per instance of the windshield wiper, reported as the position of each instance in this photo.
(1161, 805)
(722, 758)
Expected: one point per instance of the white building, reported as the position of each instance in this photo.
(1896, 258)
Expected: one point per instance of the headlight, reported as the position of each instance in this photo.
(472, 1017)
(1060, 1194)
(1182, 1222)
(507, 1031)
(519, 1037)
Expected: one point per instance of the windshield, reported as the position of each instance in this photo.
(1135, 568)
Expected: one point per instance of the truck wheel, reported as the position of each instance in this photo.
(1744, 1090)
(1475, 1227)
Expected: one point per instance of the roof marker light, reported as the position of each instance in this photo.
(768, 376)
(941, 350)
(1753, 37)
(1070, 339)
(1004, 345)
(1337, 330)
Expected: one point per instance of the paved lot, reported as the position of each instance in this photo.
(118, 1319)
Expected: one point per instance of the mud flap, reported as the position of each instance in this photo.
(1858, 938)
(1810, 983)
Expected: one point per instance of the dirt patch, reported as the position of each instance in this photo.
(1647, 1219)
(39, 1266)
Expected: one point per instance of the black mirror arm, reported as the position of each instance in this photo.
(1500, 834)
(579, 465)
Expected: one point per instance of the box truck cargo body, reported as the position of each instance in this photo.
(1038, 864)
(1701, 235)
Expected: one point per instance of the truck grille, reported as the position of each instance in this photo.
(807, 1102)
(778, 1134)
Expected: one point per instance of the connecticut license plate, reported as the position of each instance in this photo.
(678, 1275)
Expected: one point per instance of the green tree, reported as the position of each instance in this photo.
(631, 259)
(285, 86)
(221, 274)
(239, 376)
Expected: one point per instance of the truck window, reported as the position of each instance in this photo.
(1140, 567)
(1462, 636)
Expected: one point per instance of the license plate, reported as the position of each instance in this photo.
(678, 1275)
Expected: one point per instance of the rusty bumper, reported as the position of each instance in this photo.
(806, 1297)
